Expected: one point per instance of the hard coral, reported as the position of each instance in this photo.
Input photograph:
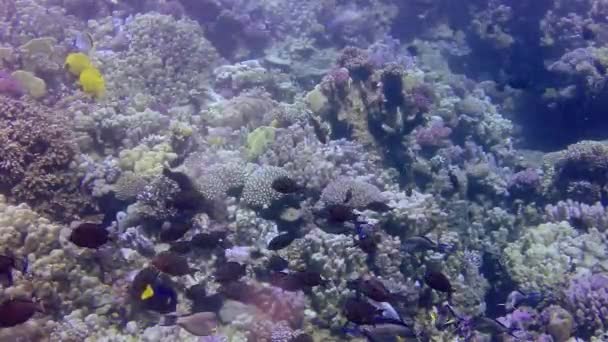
(9, 85)
(587, 296)
(258, 191)
(586, 160)
(357, 62)
(354, 193)
(35, 155)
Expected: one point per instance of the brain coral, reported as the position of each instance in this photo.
(36, 150)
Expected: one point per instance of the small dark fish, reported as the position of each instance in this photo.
(211, 303)
(208, 240)
(239, 291)
(286, 185)
(8, 263)
(230, 271)
(181, 247)
(89, 235)
(438, 282)
(338, 213)
(17, 311)
(373, 288)
(361, 312)
(491, 29)
(588, 33)
(183, 181)
(378, 206)
(281, 241)
(277, 264)
(310, 278)
(175, 231)
(286, 281)
(172, 264)
(302, 338)
(196, 292)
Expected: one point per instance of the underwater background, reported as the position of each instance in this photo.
(313, 170)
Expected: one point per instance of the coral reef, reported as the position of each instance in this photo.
(340, 143)
(37, 153)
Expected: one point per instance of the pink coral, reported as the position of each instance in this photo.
(9, 85)
(282, 305)
(433, 136)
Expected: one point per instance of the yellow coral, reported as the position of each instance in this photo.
(92, 82)
(76, 63)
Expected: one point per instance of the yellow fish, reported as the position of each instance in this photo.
(77, 62)
(147, 293)
(92, 82)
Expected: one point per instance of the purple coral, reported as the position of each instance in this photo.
(587, 297)
(421, 97)
(580, 215)
(433, 136)
(280, 305)
(9, 85)
(357, 62)
(524, 183)
(339, 76)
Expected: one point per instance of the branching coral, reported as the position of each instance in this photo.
(587, 296)
(548, 255)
